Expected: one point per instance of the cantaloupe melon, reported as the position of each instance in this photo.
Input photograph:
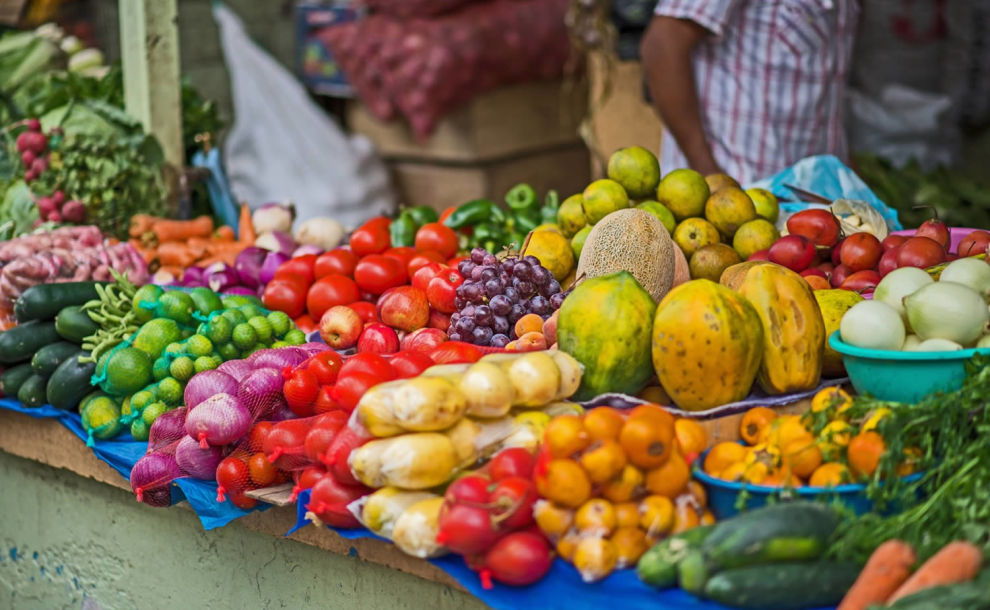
(631, 240)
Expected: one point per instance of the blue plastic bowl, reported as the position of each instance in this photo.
(722, 495)
(902, 376)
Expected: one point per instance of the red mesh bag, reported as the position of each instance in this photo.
(416, 8)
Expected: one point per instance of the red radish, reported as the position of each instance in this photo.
(519, 559)
(892, 241)
(329, 500)
(513, 500)
(839, 275)
(195, 461)
(888, 262)
(219, 420)
(974, 243)
(232, 477)
(152, 476)
(27, 158)
(934, 229)
(861, 251)
(862, 281)
(472, 488)
(54, 216)
(74, 211)
(466, 529)
(921, 252)
(512, 462)
(46, 205)
(793, 251)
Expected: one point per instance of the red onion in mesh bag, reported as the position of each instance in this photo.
(195, 461)
(260, 390)
(280, 411)
(314, 347)
(207, 383)
(152, 476)
(238, 369)
(167, 429)
(218, 420)
(278, 358)
(414, 8)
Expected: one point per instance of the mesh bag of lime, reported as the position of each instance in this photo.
(181, 334)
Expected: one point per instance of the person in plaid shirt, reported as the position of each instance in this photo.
(748, 87)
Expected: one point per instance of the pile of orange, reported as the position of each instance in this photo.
(612, 484)
(822, 448)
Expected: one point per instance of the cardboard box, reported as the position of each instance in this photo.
(317, 68)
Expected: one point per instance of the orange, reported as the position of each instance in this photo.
(765, 454)
(596, 517)
(691, 436)
(656, 515)
(565, 483)
(707, 518)
(685, 518)
(603, 460)
(565, 435)
(864, 452)
(627, 514)
(624, 487)
(912, 455)
(670, 478)
(833, 399)
(722, 455)
(552, 520)
(647, 436)
(603, 423)
(781, 478)
(786, 429)
(802, 457)
(529, 323)
(697, 491)
(830, 474)
(630, 543)
(567, 545)
(834, 438)
(595, 558)
(755, 422)
(756, 473)
(733, 472)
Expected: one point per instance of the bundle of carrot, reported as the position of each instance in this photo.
(174, 245)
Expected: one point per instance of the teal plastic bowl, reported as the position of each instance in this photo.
(902, 376)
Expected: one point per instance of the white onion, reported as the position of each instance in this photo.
(910, 343)
(937, 345)
(971, 272)
(873, 325)
(898, 284)
(946, 310)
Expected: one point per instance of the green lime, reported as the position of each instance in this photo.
(175, 349)
(233, 301)
(250, 311)
(128, 371)
(176, 305)
(205, 363)
(219, 329)
(235, 316)
(155, 335)
(140, 430)
(141, 399)
(160, 369)
(89, 397)
(186, 333)
(228, 351)
(101, 417)
(281, 344)
(125, 407)
(170, 391)
(147, 294)
(636, 169)
(182, 368)
(151, 412)
(198, 345)
(295, 337)
(262, 327)
(281, 323)
(244, 335)
(206, 300)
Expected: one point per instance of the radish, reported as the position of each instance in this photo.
(195, 461)
(219, 420)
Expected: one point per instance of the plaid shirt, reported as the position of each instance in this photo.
(771, 80)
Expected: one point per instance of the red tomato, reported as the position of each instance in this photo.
(421, 279)
(286, 294)
(339, 260)
(309, 476)
(446, 213)
(435, 236)
(243, 502)
(232, 477)
(300, 390)
(512, 462)
(472, 488)
(262, 471)
(443, 289)
(422, 259)
(329, 291)
(861, 251)
(325, 402)
(453, 352)
(513, 499)
(369, 363)
(519, 559)
(317, 442)
(466, 529)
(300, 266)
(409, 364)
(329, 500)
(335, 420)
(348, 439)
(351, 388)
(366, 310)
(372, 237)
(256, 438)
(377, 273)
(403, 253)
(306, 323)
(326, 366)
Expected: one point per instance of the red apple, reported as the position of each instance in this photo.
(974, 243)
(888, 262)
(421, 279)
(820, 226)
(921, 252)
(793, 251)
(862, 281)
(861, 251)
(379, 339)
(762, 255)
(934, 229)
(439, 320)
(814, 271)
(892, 241)
(404, 308)
(340, 327)
(839, 275)
(423, 340)
(442, 290)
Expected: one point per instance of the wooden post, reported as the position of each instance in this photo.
(149, 48)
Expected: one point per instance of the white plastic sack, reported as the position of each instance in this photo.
(282, 146)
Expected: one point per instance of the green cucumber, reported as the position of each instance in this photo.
(32, 391)
(692, 572)
(658, 566)
(44, 301)
(48, 358)
(74, 324)
(783, 586)
(781, 532)
(69, 385)
(13, 378)
(22, 341)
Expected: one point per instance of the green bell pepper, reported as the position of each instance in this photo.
(527, 221)
(423, 214)
(548, 213)
(470, 213)
(521, 198)
(403, 229)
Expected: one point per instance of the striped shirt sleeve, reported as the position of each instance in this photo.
(713, 15)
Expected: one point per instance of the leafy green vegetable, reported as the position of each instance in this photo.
(17, 211)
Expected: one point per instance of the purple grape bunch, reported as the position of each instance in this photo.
(495, 294)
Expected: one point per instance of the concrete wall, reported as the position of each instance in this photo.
(71, 542)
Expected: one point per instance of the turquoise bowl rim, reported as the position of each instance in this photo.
(836, 342)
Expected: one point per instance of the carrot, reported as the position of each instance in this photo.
(140, 224)
(148, 254)
(887, 569)
(176, 253)
(957, 562)
(246, 226)
(225, 234)
(181, 230)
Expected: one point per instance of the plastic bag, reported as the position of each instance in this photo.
(282, 146)
(858, 216)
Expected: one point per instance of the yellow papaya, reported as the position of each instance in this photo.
(734, 275)
(707, 342)
(793, 329)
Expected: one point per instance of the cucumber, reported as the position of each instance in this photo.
(692, 572)
(781, 532)
(783, 586)
(69, 384)
(658, 566)
(43, 301)
(13, 378)
(32, 391)
(22, 341)
(74, 324)
(48, 358)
